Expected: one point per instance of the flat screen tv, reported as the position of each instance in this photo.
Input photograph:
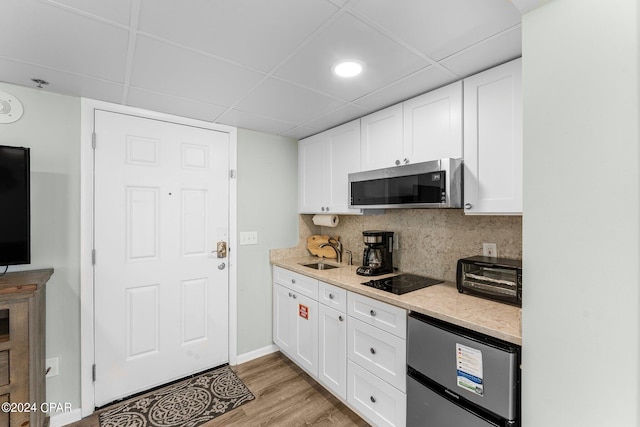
(15, 210)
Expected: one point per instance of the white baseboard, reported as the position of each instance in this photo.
(242, 358)
(64, 418)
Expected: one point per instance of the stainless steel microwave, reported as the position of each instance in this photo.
(433, 184)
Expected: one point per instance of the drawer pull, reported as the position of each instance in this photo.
(293, 281)
(295, 296)
(340, 318)
(290, 294)
(330, 296)
(372, 350)
(372, 312)
(373, 399)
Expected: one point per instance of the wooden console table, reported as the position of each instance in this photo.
(22, 347)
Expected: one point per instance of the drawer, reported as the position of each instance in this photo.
(381, 353)
(297, 282)
(379, 314)
(4, 367)
(333, 296)
(380, 403)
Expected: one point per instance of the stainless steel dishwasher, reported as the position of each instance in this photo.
(460, 378)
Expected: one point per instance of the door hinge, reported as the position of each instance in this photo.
(232, 173)
(93, 140)
(93, 372)
(93, 257)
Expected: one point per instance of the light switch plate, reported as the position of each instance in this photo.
(248, 237)
(51, 366)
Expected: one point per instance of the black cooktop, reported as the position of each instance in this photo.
(402, 283)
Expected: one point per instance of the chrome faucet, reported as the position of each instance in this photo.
(337, 248)
(350, 256)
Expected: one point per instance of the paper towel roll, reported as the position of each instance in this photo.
(326, 220)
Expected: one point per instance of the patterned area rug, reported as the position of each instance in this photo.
(188, 403)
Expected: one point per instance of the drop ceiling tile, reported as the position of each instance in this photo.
(425, 80)
(118, 11)
(250, 121)
(287, 102)
(164, 68)
(40, 34)
(258, 34)
(301, 132)
(177, 106)
(442, 28)
(334, 118)
(59, 81)
(487, 54)
(349, 38)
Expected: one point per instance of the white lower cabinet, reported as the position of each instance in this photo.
(377, 360)
(295, 327)
(381, 353)
(353, 345)
(332, 363)
(380, 402)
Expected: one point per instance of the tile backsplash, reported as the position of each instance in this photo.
(430, 240)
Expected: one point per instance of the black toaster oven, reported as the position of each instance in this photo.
(498, 279)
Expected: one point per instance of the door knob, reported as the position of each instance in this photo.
(221, 266)
(221, 249)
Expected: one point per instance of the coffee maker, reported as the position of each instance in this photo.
(377, 258)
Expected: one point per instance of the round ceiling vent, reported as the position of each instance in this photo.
(10, 108)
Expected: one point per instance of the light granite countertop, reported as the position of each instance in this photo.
(442, 301)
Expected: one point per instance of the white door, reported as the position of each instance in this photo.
(343, 145)
(161, 294)
(305, 331)
(493, 140)
(332, 352)
(433, 124)
(282, 330)
(312, 172)
(381, 133)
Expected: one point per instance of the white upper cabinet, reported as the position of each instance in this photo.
(381, 145)
(427, 127)
(493, 141)
(325, 161)
(433, 125)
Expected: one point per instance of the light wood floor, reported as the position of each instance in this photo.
(285, 396)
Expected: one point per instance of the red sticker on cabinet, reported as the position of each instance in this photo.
(303, 311)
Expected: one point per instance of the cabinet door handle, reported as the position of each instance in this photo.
(295, 296)
(372, 350)
(327, 208)
(373, 399)
(330, 296)
(406, 161)
(322, 208)
(397, 162)
(293, 281)
(290, 294)
(372, 312)
(340, 318)
(468, 206)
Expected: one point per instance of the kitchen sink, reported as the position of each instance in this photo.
(320, 266)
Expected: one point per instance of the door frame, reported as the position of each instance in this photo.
(87, 338)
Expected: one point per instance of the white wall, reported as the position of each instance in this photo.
(581, 238)
(268, 204)
(50, 126)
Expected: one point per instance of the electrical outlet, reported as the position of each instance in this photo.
(248, 237)
(51, 367)
(490, 250)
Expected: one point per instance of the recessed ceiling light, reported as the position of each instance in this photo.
(347, 68)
